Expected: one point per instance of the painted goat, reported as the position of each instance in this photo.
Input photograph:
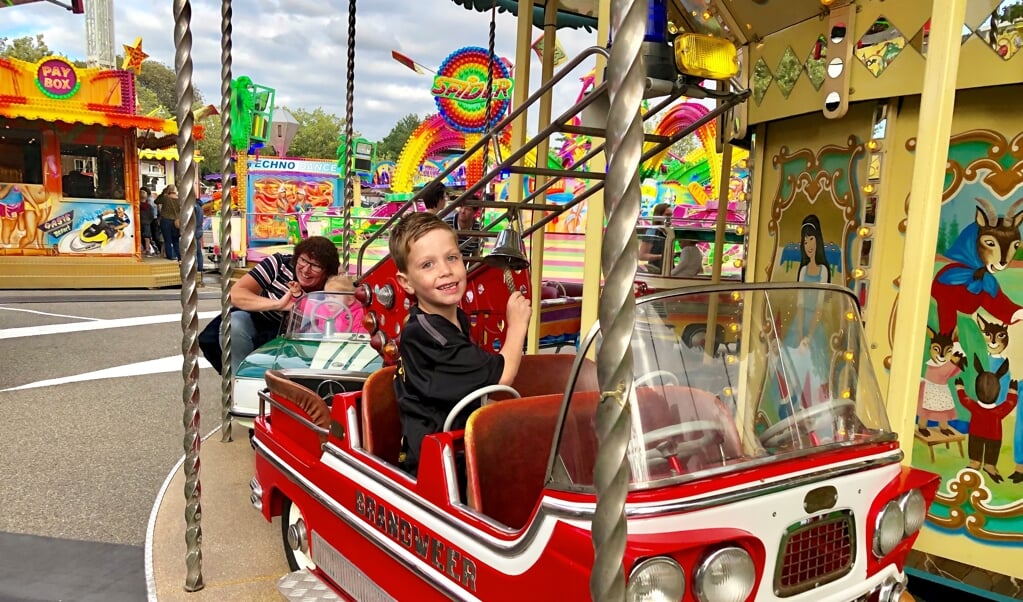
(968, 283)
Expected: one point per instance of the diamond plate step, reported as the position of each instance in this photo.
(303, 586)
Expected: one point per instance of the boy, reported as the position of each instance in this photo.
(438, 364)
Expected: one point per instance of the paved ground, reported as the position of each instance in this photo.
(83, 461)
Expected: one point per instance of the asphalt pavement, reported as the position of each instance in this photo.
(92, 403)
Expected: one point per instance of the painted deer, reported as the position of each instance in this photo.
(968, 283)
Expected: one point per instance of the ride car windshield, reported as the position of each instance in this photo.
(324, 315)
(783, 372)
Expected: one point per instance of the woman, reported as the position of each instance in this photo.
(807, 342)
(170, 208)
(261, 296)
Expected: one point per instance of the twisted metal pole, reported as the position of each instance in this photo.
(349, 199)
(186, 167)
(487, 131)
(617, 306)
(226, 213)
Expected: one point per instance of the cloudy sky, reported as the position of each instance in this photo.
(299, 47)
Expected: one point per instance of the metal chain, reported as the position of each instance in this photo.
(226, 213)
(185, 176)
(349, 199)
(490, 85)
(617, 305)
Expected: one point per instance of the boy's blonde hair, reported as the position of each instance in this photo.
(410, 229)
(340, 283)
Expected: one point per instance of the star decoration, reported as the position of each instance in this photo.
(133, 56)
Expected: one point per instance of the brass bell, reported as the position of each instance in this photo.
(509, 253)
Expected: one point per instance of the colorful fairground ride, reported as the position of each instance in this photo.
(796, 453)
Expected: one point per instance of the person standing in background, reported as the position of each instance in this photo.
(146, 222)
(170, 208)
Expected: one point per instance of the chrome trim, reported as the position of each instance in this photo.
(366, 530)
(844, 517)
(242, 414)
(256, 495)
(341, 570)
(450, 478)
(354, 433)
(585, 512)
(298, 417)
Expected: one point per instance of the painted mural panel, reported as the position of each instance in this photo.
(968, 427)
(36, 222)
(810, 223)
(278, 188)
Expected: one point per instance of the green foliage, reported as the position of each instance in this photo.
(27, 48)
(210, 146)
(161, 79)
(390, 147)
(318, 134)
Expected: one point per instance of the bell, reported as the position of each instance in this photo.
(508, 254)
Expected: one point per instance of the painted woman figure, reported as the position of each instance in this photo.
(807, 342)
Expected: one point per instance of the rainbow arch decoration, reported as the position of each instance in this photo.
(433, 137)
(702, 166)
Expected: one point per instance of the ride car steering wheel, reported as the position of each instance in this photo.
(681, 449)
(666, 377)
(325, 320)
(778, 433)
(483, 392)
(328, 388)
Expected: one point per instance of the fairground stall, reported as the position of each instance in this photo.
(69, 178)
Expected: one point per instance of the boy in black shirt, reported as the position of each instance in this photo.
(438, 364)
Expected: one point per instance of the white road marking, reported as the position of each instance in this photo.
(32, 331)
(157, 366)
(44, 313)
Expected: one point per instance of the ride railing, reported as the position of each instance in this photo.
(560, 124)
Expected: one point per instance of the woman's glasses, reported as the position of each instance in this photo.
(304, 263)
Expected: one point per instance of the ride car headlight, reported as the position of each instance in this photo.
(888, 529)
(656, 580)
(726, 575)
(914, 510)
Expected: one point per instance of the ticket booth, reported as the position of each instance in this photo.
(69, 178)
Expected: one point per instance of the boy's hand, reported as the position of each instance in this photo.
(518, 311)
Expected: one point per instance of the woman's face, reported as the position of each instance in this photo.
(810, 245)
(309, 273)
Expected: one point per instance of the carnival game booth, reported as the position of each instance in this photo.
(69, 178)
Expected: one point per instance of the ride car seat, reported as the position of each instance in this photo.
(507, 446)
(547, 373)
(305, 399)
(381, 421)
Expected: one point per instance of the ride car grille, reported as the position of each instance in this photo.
(815, 551)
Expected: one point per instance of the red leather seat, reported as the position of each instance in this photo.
(381, 421)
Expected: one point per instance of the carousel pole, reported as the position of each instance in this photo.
(226, 213)
(184, 93)
(617, 306)
(349, 199)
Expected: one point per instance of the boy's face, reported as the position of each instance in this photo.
(435, 272)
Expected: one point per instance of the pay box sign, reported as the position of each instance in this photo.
(57, 78)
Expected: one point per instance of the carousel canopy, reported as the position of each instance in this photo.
(574, 14)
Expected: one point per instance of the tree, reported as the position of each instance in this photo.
(318, 134)
(392, 144)
(210, 146)
(26, 48)
(161, 79)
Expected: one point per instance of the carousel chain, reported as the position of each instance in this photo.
(617, 305)
(184, 93)
(349, 143)
(226, 212)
